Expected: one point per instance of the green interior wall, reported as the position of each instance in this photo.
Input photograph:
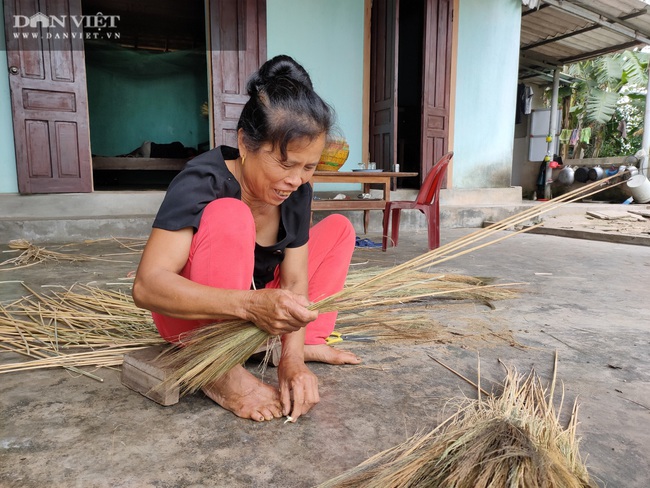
(486, 89)
(136, 96)
(8, 175)
(326, 37)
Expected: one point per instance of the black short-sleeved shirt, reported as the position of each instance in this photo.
(206, 178)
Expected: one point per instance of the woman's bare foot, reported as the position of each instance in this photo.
(322, 353)
(245, 396)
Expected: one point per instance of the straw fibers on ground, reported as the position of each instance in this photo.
(31, 254)
(512, 440)
(81, 326)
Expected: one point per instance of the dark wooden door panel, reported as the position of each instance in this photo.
(436, 82)
(238, 48)
(383, 84)
(37, 144)
(49, 101)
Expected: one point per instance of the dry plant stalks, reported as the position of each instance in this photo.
(88, 327)
(512, 440)
(32, 254)
(213, 350)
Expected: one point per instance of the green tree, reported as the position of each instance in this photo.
(611, 89)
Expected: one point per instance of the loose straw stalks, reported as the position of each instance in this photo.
(72, 329)
(512, 440)
(32, 254)
(211, 351)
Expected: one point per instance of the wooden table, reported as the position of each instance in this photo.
(366, 178)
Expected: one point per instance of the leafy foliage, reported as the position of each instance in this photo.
(611, 90)
(601, 105)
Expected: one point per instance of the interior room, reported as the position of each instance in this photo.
(147, 92)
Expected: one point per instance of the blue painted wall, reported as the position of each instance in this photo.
(8, 177)
(486, 88)
(159, 95)
(326, 37)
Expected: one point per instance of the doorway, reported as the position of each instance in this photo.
(148, 90)
(410, 73)
(409, 89)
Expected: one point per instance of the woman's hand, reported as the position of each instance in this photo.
(278, 311)
(297, 382)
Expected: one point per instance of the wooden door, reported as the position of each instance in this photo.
(238, 48)
(436, 82)
(383, 84)
(49, 99)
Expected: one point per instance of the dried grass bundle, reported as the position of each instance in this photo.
(512, 440)
(213, 350)
(89, 326)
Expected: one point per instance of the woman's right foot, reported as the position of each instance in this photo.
(245, 396)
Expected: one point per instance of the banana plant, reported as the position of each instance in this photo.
(606, 85)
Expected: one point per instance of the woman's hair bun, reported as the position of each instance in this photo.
(282, 107)
(277, 70)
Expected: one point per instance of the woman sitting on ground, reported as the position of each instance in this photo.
(232, 239)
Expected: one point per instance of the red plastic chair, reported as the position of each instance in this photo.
(427, 202)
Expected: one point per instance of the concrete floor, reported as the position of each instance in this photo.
(587, 300)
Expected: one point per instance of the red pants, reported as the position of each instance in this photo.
(222, 256)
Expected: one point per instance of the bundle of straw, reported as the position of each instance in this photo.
(211, 351)
(88, 326)
(513, 440)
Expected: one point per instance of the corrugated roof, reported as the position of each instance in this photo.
(560, 32)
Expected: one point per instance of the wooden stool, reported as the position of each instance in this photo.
(143, 372)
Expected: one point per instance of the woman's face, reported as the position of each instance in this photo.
(268, 179)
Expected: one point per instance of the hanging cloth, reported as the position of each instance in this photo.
(585, 135)
(565, 135)
(573, 140)
(528, 100)
(622, 128)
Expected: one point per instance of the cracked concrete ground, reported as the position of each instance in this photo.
(587, 300)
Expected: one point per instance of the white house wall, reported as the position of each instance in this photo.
(486, 88)
(8, 176)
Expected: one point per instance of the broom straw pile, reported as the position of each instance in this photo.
(89, 327)
(211, 351)
(513, 440)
